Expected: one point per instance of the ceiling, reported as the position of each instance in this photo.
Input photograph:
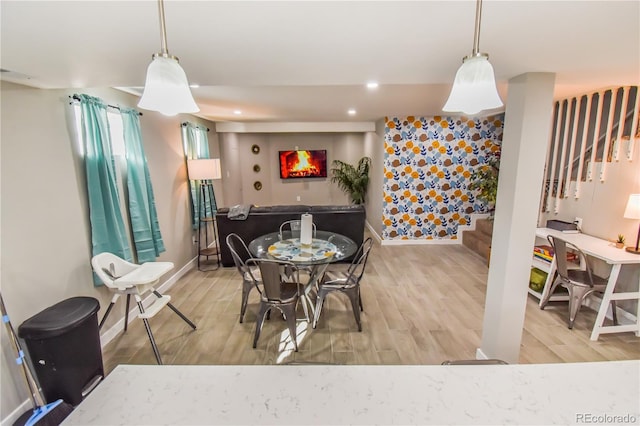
(308, 61)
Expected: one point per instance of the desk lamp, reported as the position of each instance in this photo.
(633, 212)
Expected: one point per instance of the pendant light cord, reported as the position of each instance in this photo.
(476, 34)
(163, 30)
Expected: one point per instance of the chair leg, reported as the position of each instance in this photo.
(246, 289)
(156, 352)
(264, 308)
(544, 301)
(353, 297)
(289, 312)
(174, 309)
(106, 314)
(360, 299)
(126, 312)
(576, 296)
(319, 302)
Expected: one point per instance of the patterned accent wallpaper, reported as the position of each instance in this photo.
(428, 163)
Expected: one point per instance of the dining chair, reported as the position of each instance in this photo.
(281, 289)
(239, 251)
(122, 277)
(293, 228)
(579, 282)
(347, 282)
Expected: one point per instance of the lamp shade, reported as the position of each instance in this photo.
(633, 207)
(474, 88)
(204, 169)
(166, 89)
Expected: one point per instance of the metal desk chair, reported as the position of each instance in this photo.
(580, 283)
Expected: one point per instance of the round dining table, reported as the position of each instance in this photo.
(325, 248)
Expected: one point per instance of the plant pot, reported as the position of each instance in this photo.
(619, 245)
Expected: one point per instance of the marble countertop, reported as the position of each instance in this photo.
(327, 395)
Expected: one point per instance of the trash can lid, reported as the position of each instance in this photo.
(59, 318)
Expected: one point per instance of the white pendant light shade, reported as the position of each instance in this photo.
(166, 89)
(474, 88)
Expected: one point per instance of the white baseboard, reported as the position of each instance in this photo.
(117, 328)
(15, 414)
(375, 235)
(420, 242)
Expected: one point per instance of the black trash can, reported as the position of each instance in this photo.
(63, 342)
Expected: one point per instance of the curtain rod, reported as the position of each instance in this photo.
(76, 98)
(186, 123)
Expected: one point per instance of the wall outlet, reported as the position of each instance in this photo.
(578, 222)
(297, 198)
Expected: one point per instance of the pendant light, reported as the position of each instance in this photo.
(474, 88)
(166, 89)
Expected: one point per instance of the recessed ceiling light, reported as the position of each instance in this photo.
(372, 85)
(352, 111)
(194, 86)
(237, 112)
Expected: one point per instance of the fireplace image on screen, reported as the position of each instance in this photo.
(303, 164)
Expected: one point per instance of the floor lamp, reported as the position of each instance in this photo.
(206, 170)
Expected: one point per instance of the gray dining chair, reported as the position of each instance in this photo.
(291, 229)
(579, 282)
(281, 289)
(250, 279)
(347, 282)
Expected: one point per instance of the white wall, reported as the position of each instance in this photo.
(46, 241)
(238, 161)
(601, 206)
(374, 148)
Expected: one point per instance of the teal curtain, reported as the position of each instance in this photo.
(196, 146)
(108, 233)
(142, 207)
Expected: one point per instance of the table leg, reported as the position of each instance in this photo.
(606, 301)
(316, 273)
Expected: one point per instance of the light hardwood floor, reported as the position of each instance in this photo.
(422, 305)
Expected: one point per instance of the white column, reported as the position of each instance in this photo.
(526, 135)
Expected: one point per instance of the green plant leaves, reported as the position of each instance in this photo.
(354, 180)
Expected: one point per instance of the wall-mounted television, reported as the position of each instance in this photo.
(303, 164)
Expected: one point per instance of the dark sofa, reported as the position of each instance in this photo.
(345, 220)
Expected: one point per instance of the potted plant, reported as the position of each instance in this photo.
(354, 180)
(485, 179)
(620, 241)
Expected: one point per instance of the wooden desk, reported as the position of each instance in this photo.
(606, 251)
